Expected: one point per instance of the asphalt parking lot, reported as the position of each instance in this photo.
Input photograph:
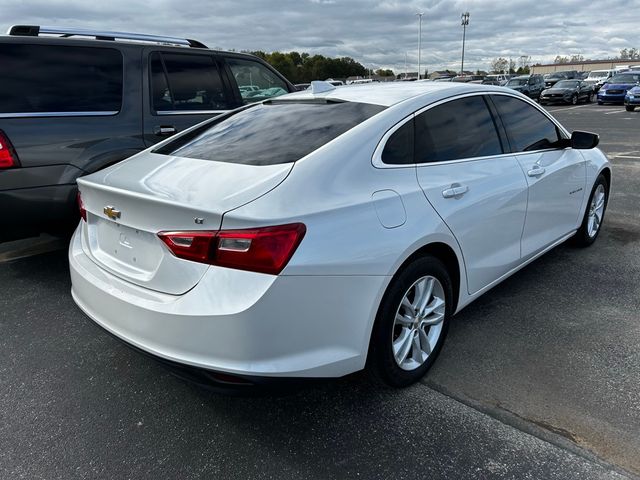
(539, 378)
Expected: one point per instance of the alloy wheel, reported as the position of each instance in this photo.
(596, 211)
(418, 323)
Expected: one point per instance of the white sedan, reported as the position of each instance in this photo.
(330, 230)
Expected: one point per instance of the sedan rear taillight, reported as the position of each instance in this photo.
(8, 156)
(83, 211)
(264, 249)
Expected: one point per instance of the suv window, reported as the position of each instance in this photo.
(255, 81)
(528, 128)
(186, 82)
(272, 133)
(462, 128)
(60, 79)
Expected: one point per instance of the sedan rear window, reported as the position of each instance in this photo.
(272, 133)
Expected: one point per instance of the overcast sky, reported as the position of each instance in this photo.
(376, 33)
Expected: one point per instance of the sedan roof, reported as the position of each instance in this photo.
(388, 94)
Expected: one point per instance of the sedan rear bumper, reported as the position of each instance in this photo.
(238, 322)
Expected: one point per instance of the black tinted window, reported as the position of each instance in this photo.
(269, 134)
(458, 129)
(49, 78)
(191, 82)
(527, 127)
(399, 147)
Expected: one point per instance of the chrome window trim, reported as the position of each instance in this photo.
(59, 114)
(377, 162)
(189, 112)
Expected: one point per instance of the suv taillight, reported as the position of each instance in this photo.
(264, 249)
(8, 156)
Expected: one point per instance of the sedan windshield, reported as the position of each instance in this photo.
(567, 84)
(626, 78)
(517, 82)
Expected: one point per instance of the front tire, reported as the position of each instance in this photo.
(629, 108)
(574, 100)
(411, 324)
(594, 215)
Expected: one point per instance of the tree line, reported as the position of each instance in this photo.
(303, 67)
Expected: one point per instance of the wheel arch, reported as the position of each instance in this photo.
(448, 255)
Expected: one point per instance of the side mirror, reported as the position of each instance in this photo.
(584, 140)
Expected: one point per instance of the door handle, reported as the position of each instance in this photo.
(536, 171)
(164, 130)
(455, 190)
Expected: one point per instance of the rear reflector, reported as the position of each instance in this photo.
(8, 156)
(265, 249)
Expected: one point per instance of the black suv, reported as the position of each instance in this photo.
(555, 77)
(530, 85)
(77, 101)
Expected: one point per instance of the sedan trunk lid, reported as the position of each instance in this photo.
(130, 202)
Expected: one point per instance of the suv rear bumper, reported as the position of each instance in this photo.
(29, 211)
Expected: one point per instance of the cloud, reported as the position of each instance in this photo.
(376, 33)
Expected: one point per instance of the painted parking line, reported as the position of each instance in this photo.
(568, 108)
(627, 156)
(615, 111)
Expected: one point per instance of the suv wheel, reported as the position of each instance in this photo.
(411, 324)
(574, 99)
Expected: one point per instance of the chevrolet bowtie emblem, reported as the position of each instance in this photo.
(111, 212)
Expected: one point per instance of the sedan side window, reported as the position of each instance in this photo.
(458, 129)
(399, 148)
(528, 128)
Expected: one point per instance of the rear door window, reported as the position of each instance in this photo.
(186, 82)
(458, 129)
(271, 133)
(528, 128)
(255, 81)
(60, 79)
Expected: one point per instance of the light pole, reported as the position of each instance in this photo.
(464, 23)
(419, 15)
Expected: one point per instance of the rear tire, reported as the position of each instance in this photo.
(600, 103)
(574, 100)
(411, 324)
(594, 214)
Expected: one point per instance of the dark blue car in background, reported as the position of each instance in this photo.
(615, 89)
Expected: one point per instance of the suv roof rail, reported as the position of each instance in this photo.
(36, 30)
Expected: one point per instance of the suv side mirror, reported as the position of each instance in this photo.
(584, 140)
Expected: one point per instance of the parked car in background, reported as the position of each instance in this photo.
(247, 249)
(615, 90)
(632, 98)
(583, 75)
(529, 85)
(76, 102)
(468, 78)
(496, 79)
(597, 78)
(443, 79)
(568, 91)
(554, 77)
(302, 86)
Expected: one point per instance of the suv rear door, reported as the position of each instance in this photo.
(182, 89)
